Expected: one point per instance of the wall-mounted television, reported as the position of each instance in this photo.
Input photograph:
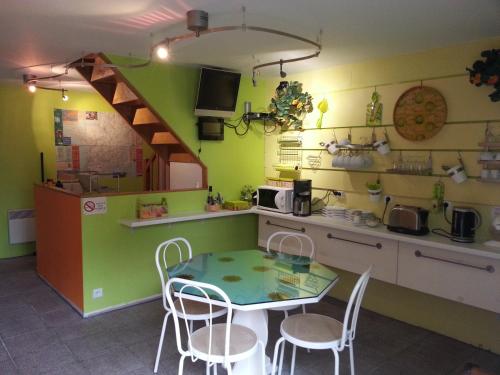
(217, 93)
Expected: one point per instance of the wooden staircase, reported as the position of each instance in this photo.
(143, 118)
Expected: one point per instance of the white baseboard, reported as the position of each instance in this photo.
(102, 311)
(122, 306)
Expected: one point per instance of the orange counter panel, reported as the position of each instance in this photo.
(59, 242)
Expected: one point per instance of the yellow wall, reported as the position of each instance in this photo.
(348, 90)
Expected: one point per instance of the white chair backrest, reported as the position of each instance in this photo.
(297, 236)
(352, 310)
(205, 293)
(161, 259)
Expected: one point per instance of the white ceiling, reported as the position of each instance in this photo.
(56, 31)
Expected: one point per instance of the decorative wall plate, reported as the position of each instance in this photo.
(420, 113)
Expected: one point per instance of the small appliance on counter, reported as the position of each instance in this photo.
(302, 197)
(464, 222)
(274, 198)
(495, 229)
(408, 220)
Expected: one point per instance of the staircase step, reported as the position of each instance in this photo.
(144, 116)
(100, 73)
(123, 94)
(182, 158)
(164, 138)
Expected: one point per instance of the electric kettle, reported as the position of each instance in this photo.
(464, 222)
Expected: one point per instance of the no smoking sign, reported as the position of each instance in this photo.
(94, 206)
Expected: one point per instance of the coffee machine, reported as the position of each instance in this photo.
(464, 222)
(302, 197)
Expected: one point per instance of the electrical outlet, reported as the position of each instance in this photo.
(339, 194)
(448, 204)
(97, 293)
(387, 198)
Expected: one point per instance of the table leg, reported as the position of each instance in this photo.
(257, 321)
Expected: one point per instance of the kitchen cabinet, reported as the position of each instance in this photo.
(464, 273)
(270, 225)
(355, 252)
(464, 278)
(338, 248)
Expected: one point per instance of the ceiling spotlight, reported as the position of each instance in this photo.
(64, 96)
(282, 73)
(162, 52)
(31, 87)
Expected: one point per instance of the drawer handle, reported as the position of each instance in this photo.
(489, 268)
(284, 226)
(378, 245)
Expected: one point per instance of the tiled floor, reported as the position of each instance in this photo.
(41, 334)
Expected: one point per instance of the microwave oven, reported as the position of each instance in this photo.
(273, 198)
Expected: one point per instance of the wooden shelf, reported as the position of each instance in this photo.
(490, 163)
(490, 145)
(489, 180)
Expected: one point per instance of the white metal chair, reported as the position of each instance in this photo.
(314, 331)
(193, 311)
(298, 237)
(222, 343)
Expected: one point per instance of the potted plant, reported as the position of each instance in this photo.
(374, 190)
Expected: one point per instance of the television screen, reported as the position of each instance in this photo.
(217, 93)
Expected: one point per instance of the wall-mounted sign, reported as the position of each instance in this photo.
(94, 206)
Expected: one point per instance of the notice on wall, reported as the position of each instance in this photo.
(94, 206)
(96, 142)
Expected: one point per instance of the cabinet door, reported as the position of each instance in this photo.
(356, 252)
(464, 278)
(269, 225)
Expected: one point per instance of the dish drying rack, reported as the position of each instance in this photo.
(289, 153)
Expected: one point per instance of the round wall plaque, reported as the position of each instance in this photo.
(420, 113)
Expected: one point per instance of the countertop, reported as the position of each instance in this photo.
(381, 231)
(431, 240)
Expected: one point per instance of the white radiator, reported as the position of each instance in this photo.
(22, 227)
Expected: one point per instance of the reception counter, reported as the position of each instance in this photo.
(82, 246)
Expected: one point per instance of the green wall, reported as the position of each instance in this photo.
(171, 90)
(121, 260)
(26, 129)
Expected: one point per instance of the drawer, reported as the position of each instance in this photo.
(356, 252)
(269, 225)
(464, 278)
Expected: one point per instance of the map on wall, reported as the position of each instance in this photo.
(100, 142)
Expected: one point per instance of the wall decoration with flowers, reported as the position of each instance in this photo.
(290, 105)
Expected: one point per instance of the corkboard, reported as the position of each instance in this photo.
(420, 113)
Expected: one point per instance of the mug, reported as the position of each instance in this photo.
(487, 156)
(457, 173)
(382, 147)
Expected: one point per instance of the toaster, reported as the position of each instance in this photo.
(409, 220)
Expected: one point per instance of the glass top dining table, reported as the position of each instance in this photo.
(255, 279)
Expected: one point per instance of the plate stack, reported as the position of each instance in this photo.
(350, 214)
(333, 211)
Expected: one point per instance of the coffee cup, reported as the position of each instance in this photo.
(382, 147)
(487, 156)
(485, 174)
(457, 173)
